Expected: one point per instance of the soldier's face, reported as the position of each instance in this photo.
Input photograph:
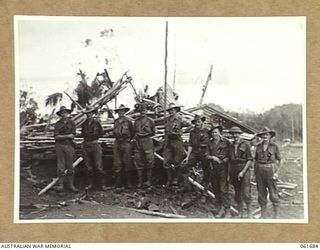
(143, 111)
(236, 136)
(172, 111)
(198, 123)
(216, 133)
(64, 114)
(121, 112)
(266, 136)
(90, 115)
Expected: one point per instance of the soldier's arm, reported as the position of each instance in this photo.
(248, 163)
(278, 158)
(131, 128)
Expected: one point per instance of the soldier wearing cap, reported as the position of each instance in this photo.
(198, 146)
(64, 132)
(144, 149)
(267, 157)
(173, 151)
(91, 130)
(123, 131)
(218, 154)
(240, 161)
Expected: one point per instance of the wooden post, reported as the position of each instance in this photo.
(165, 70)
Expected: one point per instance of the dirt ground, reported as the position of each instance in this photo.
(117, 203)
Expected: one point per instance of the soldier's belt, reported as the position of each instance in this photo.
(123, 139)
(264, 164)
(238, 161)
(90, 141)
(173, 136)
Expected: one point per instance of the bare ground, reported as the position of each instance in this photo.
(113, 203)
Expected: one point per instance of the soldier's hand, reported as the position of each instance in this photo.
(185, 160)
(240, 175)
(275, 176)
(216, 159)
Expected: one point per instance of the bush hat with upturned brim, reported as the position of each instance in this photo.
(63, 109)
(122, 107)
(198, 117)
(214, 126)
(266, 130)
(174, 106)
(235, 130)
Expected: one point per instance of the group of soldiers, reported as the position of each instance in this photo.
(223, 161)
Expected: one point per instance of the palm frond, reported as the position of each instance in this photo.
(53, 99)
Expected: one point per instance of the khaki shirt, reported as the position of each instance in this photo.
(220, 149)
(144, 127)
(174, 124)
(198, 138)
(123, 128)
(64, 127)
(270, 155)
(91, 130)
(241, 152)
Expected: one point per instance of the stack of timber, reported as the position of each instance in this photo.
(37, 142)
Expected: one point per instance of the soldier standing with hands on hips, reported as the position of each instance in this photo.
(92, 152)
(240, 161)
(144, 149)
(64, 132)
(123, 131)
(267, 158)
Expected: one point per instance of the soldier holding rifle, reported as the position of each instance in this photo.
(123, 131)
(64, 132)
(144, 150)
(267, 158)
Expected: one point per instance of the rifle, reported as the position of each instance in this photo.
(55, 180)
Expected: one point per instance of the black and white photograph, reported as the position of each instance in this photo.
(160, 119)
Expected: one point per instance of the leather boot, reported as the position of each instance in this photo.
(249, 211)
(103, 182)
(227, 213)
(263, 212)
(149, 177)
(175, 176)
(140, 178)
(71, 185)
(221, 213)
(169, 176)
(59, 187)
(117, 182)
(275, 211)
(240, 209)
(90, 180)
(128, 179)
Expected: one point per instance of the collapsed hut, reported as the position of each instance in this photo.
(37, 140)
